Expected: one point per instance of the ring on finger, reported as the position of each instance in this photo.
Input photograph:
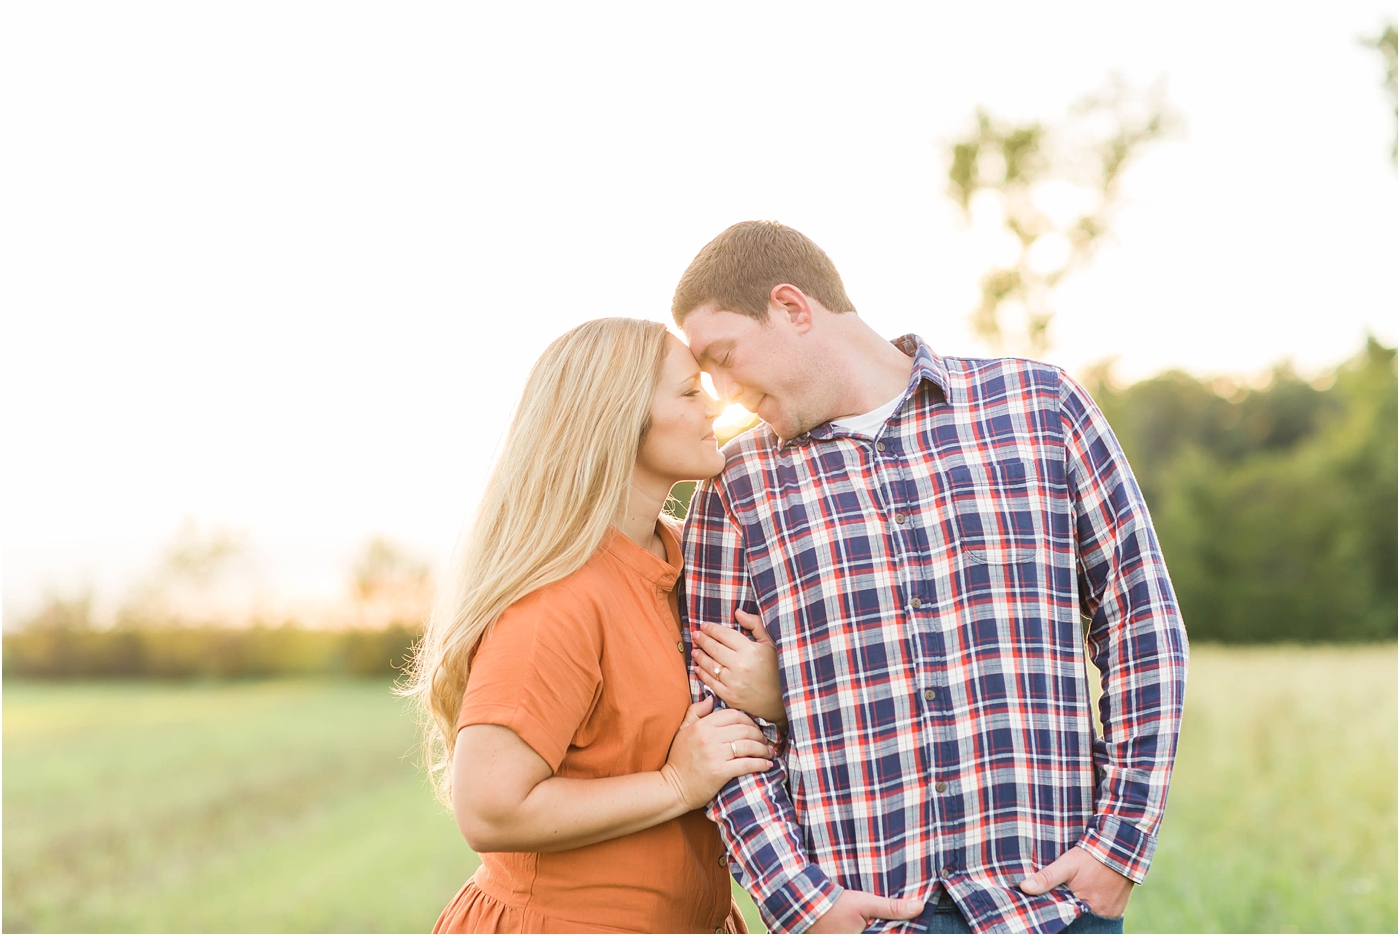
(719, 670)
(733, 751)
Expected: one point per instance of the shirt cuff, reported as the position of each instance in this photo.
(1120, 845)
(777, 738)
(800, 901)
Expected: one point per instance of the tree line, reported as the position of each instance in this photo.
(1275, 507)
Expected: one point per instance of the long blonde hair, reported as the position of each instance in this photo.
(561, 478)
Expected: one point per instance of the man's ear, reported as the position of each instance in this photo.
(793, 305)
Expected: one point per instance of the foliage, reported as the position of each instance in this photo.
(1055, 190)
(1385, 44)
(385, 569)
(1276, 507)
(62, 645)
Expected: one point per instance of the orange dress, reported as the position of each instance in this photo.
(590, 672)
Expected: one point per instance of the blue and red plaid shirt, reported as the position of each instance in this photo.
(927, 590)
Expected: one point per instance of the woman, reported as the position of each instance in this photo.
(559, 721)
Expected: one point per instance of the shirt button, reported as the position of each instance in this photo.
(941, 787)
(680, 646)
(916, 604)
(947, 872)
(900, 518)
(930, 695)
(879, 446)
(723, 861)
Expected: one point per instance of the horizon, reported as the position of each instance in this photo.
(296, 300)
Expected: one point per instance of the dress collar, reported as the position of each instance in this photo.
(660, 572)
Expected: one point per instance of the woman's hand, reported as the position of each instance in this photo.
(710, 749)
(742, 672)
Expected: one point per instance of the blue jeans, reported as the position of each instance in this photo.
(943, 916)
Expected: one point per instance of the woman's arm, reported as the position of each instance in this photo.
(506, 798)
(742, 672)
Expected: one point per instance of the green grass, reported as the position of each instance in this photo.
(280, 806)
(1281, 816)
(294, 806)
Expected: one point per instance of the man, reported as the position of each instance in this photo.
(925, 537)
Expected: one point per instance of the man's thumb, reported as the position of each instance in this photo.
(1046, 879)
(698, 711)
(902, 909)
(754, 625)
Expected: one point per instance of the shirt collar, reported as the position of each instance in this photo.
(661, 572)
(927, 366)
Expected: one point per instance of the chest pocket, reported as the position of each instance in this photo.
(996, 522)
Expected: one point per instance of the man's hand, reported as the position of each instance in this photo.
(855, 910)
(1090, 880)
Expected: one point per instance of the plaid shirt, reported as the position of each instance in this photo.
(926, 590)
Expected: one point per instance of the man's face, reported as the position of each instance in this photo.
(760, 365)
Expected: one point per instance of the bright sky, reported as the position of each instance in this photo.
(281, 268)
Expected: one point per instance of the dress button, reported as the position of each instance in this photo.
(916, 604)
(879, 446)
(930, 695)
(680, 646)
(900, 518)
(940, 787)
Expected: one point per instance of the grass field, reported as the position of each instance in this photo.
(294, 806)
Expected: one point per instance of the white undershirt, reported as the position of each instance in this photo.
(868, 424)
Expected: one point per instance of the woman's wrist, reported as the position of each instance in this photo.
(671, 777)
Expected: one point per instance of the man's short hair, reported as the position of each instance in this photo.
(738, 270)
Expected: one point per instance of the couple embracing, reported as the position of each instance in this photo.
(855, 678)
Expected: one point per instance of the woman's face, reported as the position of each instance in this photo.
(680, 445)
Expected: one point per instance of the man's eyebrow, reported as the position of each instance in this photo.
(712, 351)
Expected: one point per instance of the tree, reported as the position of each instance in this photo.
(1385, 44)
(1276, 507)
(1055, 189)
(389, 586)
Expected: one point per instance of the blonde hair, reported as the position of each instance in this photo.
(560, 480)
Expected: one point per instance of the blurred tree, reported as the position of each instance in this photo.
(384, 568)
(203, 575)
(197, 556)
(390, 587)
(1276, 507)
(1054, 190)
(1385, 44)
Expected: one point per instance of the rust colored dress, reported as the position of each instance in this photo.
(589, 672)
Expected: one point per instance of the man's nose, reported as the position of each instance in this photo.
(729, 390)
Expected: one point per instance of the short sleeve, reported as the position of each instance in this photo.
(538, 673)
